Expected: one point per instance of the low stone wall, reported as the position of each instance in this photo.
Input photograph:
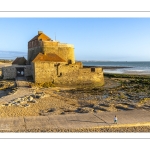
(10, 71)
(81, 77)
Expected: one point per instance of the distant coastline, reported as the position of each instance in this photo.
(11, 55)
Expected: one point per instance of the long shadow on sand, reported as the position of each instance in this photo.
(92, 122)
(86, 121)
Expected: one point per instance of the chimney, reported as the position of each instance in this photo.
(39, 32)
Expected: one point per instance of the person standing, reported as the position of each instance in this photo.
(115, 120)
(22, 73)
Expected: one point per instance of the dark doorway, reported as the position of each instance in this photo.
(20, 72)
(69, 61)
(92, 69)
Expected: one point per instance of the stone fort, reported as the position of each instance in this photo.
(52, 61)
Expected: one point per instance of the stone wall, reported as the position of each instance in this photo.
(65, 51)
(33, 52)
(64, 74)
(50, 47)
(67, 69)
(10, 71)
(82, 76)
(28, 70)
(88, 76)
(45, 71)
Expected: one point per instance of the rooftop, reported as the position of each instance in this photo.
(41, 36)
(19, 61)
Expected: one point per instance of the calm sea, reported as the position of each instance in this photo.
(11, 55)
(134, 67)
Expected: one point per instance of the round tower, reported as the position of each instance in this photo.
(66, 51)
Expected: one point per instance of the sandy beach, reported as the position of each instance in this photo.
(120, 93)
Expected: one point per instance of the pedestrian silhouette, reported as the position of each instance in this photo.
(115, 120)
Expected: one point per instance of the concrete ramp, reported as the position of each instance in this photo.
(75, 121)
(21, 82)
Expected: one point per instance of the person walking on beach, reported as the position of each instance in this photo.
(115, 120)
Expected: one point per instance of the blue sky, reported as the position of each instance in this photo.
(104, 39)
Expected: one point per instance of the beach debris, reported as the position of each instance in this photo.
(47, 111)
(26, 105)
(23, 101)
(82, 110)
(51, 110)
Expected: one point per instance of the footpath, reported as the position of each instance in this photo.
(22, 90)
(76, 121)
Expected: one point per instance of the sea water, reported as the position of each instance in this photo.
(127, 67)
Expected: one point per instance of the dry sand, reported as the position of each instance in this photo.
(66, 100)
(56, 100)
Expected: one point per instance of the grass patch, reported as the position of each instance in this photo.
(144, 100)
(126, 76)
